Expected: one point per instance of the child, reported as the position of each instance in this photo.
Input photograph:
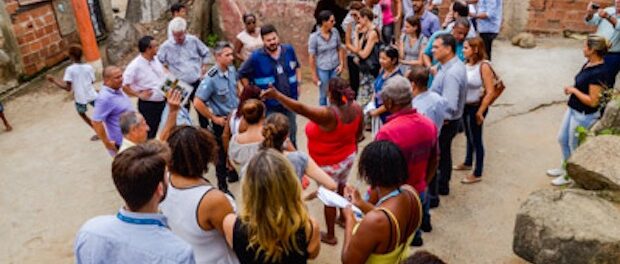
(6, 122)
(80, 77)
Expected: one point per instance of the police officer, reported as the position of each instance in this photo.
(215, 98)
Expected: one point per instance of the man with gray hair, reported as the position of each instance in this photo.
(415, 135)
(185, 56)
(135, 128)
(215, 99)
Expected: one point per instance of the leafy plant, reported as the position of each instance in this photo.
(212, 39)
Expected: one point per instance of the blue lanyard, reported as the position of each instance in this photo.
(394, 193)
(137, 221)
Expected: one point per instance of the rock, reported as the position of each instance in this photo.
(145, 11)
(4, 58)
(524, 40)
(122, 40)
(610, 120)
(595, 165)
(567, 226)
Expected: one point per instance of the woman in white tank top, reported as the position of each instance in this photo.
(249, 39)
(479, 94)
(193, 207)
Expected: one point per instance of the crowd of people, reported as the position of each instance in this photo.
(414, 87)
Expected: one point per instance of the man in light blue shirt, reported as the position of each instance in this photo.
(428, 103)
(215, 99)
(489, 19)
(450, 82)
(138, 233)
(608, 22)
(185, 56)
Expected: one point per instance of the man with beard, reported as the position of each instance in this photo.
(275, 65)
(138, 233)
(429, 22)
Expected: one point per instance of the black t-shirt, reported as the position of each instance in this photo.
(247, 255)
(587, 76)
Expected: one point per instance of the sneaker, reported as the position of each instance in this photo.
(417, 241)
(561, 181)
(557, 172)
(434, 202)
(426, 226)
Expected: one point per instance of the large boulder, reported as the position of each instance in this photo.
(123, 39)
(595, 165)
(145, 11)
(610, 120)
(524, 40)
(568, 226)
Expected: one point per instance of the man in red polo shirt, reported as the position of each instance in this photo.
(416, 136)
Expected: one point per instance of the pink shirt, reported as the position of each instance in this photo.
(416, 136)
(386, 9)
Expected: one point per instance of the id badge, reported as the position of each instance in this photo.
(279, 69)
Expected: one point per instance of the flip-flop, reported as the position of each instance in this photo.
(94, 138)
(470, 181)
(332, 242)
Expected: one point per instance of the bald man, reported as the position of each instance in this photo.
(110, 104)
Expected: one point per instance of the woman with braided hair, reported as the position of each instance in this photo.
(275, 134)
(333, 133)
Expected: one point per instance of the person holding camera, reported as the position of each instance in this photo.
(607, 24)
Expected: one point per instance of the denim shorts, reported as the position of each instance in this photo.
(82, 108)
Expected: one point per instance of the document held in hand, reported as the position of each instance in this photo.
(333, 199)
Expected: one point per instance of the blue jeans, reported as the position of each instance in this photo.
(324, 77)
(426, 214)
(567, 135)
(473, 133)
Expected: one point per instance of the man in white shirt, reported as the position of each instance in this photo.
(80, 78)
(143, 78)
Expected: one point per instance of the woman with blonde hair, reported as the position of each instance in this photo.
(273, 225)
(583, 102)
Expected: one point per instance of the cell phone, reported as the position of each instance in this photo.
(595, 6)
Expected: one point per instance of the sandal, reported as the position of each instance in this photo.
(461, 167)
(470, 179)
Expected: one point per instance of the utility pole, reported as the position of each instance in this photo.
(87, 34)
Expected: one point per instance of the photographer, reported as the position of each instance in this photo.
(607, 24)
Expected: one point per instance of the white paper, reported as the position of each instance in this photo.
(333, 199)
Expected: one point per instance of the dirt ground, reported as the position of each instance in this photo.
(53, 178)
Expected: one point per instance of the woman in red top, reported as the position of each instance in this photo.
(333, 133)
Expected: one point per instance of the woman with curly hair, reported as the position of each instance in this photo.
(194, 207)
